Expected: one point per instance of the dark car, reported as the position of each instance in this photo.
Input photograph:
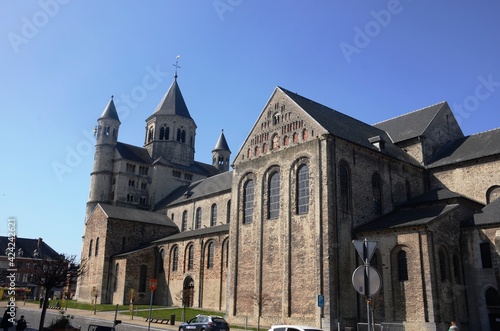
(205, 323)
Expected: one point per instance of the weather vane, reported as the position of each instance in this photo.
(176, 65)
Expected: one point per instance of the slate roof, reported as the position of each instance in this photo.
(199, 189)
(221, 143)
(489, 215)
(28, 247)
(468, 148)
(130, 214)
(348, 128)
(133, 153)
(195, 233)
(110, 111)
(409, 217)
(439, 194)
(410, 125)
(172, 103)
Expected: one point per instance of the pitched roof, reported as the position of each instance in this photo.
(488, 215)
(133, 153)
(348, 128)
(172, 103)
(212, 185)
(469, 148)
(136, 215)
(410, 125)
(31, 248)
(408, 217)
(195, 233)
(439, 194)
(110, 111)
(221, 143)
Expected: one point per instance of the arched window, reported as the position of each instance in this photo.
(175, 258)
(164, 132)
(150, 134)
(286, 141)
(90, 248)
(197, 223)
(190, 257)
(402, 266)
(161, 258)
(228, 212)
(408, 190)
(345, 188)
(274, 195)
(303, 190)
(492, 194)
(184, 220)
(442, 265)
(181, 135)
(213, 215)
(304, 134)
(295, 137)
(377, 193)
(210, 255)
(115, 280)
(248, 202)
(96, 246)
(456, 268)
(143, 274)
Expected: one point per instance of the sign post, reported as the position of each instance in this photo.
(153, 284)
(366, 279)
(321, 304)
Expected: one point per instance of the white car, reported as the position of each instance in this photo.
(294, 328)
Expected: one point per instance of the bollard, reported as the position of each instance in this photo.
(172, 319)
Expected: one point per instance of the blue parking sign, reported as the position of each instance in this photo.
(321, 300)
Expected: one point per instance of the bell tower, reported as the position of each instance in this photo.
(221, 154)
(106, 134)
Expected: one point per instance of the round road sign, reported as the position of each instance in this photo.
(358, 280)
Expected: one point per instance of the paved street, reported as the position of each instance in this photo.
(83, 319)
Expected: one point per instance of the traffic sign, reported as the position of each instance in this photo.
(370, 247)
(321, 300)
(374, 280)
(153, 284)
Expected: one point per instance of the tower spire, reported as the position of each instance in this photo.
(176, 65)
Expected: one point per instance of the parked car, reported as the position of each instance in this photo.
(205, 323)
(294, 328)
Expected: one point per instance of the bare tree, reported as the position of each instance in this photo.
(185, 296)
(50, 273)
(260, 300)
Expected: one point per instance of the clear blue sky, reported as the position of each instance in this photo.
(61, 60)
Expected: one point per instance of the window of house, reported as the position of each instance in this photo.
(181, 135)
(184, 220)
(188, 176)
(176, 173)
(213, 215)
(228, 211)
(210, 255)
(90, 247)
(96, 246)
(345, 188)
(274, 195)
(486, 255)
(248, 203)
(303, 190)
(164, 132)
(377, 193)
(190, 263)
(143, 278)
(175, 258)
(402, 266)
(115, 280)
(197, 223)
(442, 265)
(150, 134)
(161, 258)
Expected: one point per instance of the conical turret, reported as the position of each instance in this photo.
(221, 154)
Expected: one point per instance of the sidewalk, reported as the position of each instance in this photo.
(108, 316)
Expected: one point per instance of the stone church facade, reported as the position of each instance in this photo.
(260, 242)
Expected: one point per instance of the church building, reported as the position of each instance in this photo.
(261, 242)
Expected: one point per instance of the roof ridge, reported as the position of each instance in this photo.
(411, 112)
(477, 133)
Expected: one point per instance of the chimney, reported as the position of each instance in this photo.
(39, 243)
(377, 142)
